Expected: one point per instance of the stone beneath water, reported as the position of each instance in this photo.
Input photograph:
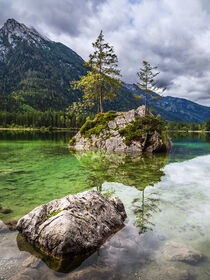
(164, 272)
(174, 251)
(130, 131)
(11, 224)
(8, 225)
(3, 227)
(80, 224)
(87, 273)
(32, 262)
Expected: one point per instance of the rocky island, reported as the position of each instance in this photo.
(73, 225)
(131, 131)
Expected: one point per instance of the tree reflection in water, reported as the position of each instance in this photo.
(138, 170)
(143, 209)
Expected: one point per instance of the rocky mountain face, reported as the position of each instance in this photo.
(130, 131)
(12, 32)
(173, 108)
(35, 73)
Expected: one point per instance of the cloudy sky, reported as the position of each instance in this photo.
(172, 34)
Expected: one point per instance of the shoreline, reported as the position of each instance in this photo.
(190, 131)
(57, 129)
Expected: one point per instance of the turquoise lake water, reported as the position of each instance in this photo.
(167, 199)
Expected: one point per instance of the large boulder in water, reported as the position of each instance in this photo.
(73, 225)
(130, 131)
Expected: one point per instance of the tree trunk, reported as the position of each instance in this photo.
(101, 80)
(98, 105)
(101, 101)
(145, 113)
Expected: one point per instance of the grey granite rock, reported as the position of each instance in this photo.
(112, 125)
(155, 143)
(81, 223)
(110, 139)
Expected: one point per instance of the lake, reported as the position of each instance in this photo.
(167, 200)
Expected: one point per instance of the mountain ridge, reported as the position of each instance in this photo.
(35, 75)
(180, 109)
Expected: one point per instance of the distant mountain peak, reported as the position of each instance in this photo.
(11, 22)
(14, 30)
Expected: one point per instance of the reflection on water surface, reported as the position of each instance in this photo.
(166, 199)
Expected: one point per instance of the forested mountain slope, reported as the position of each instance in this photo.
(173, 108)
(35, 73)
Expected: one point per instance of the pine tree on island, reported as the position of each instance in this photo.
(102, 80)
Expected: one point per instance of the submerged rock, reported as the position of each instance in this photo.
(130, 131)
(172, 273)
(3, 227)
(11, 224)
(93, 273)
(8, 225)
(174, 251)
(73, 225)
(32, 262)
(163, 272)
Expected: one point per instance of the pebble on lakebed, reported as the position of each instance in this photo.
(73, 225)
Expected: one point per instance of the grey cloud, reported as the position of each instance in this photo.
(174, 35)
(66, 16)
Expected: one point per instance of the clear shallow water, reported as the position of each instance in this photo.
(167, 198)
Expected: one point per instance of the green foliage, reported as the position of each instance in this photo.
(72, 142)
(101, 82)
(186, 126)
(53, 214)
(208, 125)
(90, 85)
(38, 77)
(87, 126)
(42, 120)
(108, 193)
(96, 125)
(137, 128)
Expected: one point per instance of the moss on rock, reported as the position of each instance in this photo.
(136, 130)
(130, 131)
(72, 142)
(53, 214)
(96, 125)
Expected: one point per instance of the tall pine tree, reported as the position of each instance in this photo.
(147, 81)
(102, 81)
